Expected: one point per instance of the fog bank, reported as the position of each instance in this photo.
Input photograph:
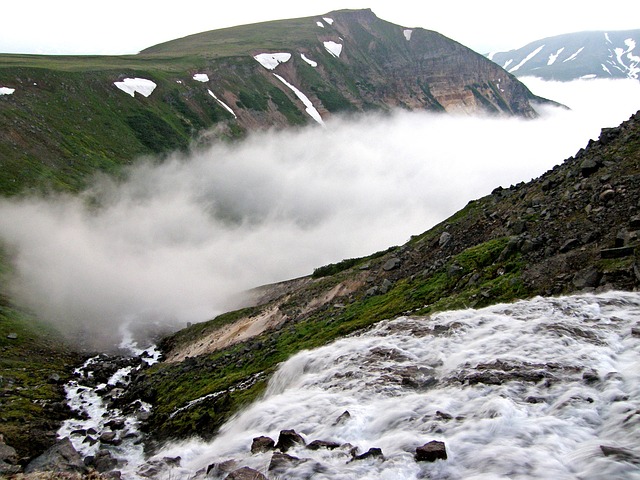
(176, 241)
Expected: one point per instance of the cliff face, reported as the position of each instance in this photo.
(63, 118)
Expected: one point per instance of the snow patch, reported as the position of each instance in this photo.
(308, 60)
(507, 63)
(527, 58)
(201, 77)
(224, 105)
(272, 60)
(320, 24)
(588, 77)
(407, 34)
(605, 68)
(310, 109)
(606, 36)
(7, 91)
(554, 56)
(328, 20)
(132, 86)
(333, 48)
(573, 57)
(179, 82)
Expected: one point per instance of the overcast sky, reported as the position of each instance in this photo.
(98, 27)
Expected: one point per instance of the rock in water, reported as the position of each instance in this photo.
(430, 452)
(288, 439)
(262, 444)
(62, 457)
(245, 473)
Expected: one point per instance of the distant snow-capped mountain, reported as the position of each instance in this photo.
(576, 55)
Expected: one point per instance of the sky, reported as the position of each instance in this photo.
(98, 27)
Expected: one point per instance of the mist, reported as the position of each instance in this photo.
(178, 241)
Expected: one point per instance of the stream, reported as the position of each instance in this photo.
(538, 389)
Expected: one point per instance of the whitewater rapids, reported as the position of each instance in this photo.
(530, 390)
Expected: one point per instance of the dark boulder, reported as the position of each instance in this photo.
(245, 473)
(318, 444)
(262, 444)
(61, 457)
(430, 452)
(371, 453)
(289, 439)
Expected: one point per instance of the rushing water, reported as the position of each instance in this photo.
(526, 390)
(531, 390)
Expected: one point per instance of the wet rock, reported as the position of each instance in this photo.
(621, 453)
(262, 444)
(590, 376)
(289, 439)
(115, 424)
(110, 438)
(342, 419)
(282, 461)
(318, 444)
(245, 473)
(102, 461)
(218, 469)
(430, 452)
(371, 453)
(635, 331)
(61, 457)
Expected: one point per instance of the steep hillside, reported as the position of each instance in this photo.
(64, 118)
(576, 55)
(574, 229)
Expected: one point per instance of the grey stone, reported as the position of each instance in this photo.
(62, 457)
(391, 264)
(262, 444)
(12, 336)
(245, 473)
(445, 239)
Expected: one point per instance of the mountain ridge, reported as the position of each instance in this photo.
(63, 118)
(571, 56)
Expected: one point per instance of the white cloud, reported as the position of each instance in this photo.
(178, 240)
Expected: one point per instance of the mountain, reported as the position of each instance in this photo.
(576, 55)
(574, 229)
(64, 118)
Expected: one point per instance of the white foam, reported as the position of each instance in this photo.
(272, 60)
(136, 85)
(333, 48)
(201, 77)
(407, 34)
(7, 91)
(224, 105)
(308, 60)
(310, 109)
